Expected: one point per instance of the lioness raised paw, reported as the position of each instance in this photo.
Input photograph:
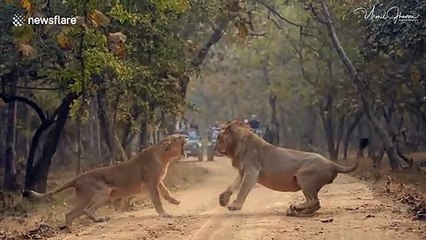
(224, 198)
(173, 201)
(234, 207)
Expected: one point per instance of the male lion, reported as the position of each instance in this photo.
(100, 186)
(279, 169)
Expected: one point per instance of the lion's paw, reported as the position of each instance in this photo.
(174, 201)
(65, 227)
(290, 212)
(102, 219)
(165, 215)
(224, 198)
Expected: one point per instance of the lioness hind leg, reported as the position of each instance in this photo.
(83, 199)
(75, 212)
(94, 217)
(99, 199)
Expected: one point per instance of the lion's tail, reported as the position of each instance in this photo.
(344, 169)
(37, 195)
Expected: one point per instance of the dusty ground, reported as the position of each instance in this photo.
(349, 211)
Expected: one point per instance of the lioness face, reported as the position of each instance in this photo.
(174, 145)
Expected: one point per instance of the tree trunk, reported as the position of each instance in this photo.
(327, 120)
(377, 156)
(119, 148)
(329, 135)
(42, 166)
(79, 149)
(29, 174)
(10, 181)
(366, 99)
(143, 137)
(126, 136)
(27, 126)
(103, 122)
(275, 125)
(349, 132)
(107, 129)
(339, 135)
(284, 140)
(97, 134)
(3, 123)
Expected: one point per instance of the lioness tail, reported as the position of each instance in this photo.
(37, 195)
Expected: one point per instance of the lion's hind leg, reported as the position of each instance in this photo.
(310, 186)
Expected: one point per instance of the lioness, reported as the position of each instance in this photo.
(99, 186)
(277, 168)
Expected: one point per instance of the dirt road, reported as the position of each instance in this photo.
(349, 211)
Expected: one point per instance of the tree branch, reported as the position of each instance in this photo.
(7, 98)
(315, 14)
(305, 75)
(276, 13)
(221, 25)
(68, 98)
(34, 88)
(255, 34)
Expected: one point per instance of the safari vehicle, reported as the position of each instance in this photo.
(194, 146)
(255, 126)
(212, 137)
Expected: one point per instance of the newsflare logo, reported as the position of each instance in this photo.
(18, 20)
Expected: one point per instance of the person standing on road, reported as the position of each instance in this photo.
(246, 122)
(254, 123)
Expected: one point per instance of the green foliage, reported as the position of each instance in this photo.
(134, 47)
(394, 36)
